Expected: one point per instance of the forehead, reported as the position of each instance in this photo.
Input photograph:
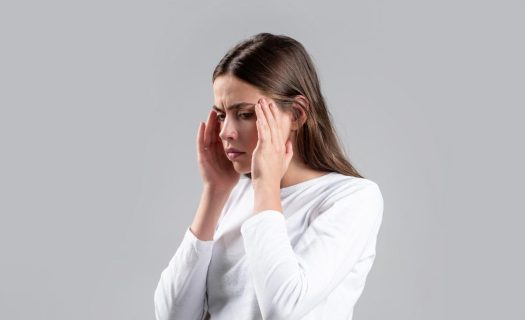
(229, 89)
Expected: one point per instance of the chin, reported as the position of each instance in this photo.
(242, 169)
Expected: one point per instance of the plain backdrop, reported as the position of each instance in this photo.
(100, 105)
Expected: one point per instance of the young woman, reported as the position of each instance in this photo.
(295, 236)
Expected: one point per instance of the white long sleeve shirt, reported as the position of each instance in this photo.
(308, 262)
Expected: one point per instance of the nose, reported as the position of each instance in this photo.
(227, 130)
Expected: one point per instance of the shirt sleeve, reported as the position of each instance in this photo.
(180, 293)
(290, 282)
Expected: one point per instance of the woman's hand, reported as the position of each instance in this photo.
(272, 155)
(216, 169)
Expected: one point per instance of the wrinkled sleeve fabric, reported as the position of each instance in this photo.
(290, 282)
(180, 293)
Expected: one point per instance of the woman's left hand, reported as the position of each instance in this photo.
(272, 155)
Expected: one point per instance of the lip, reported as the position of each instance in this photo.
(228, 150)
(233, 153)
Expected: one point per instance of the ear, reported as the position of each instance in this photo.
(300, 108)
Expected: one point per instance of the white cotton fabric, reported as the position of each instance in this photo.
(309, 262)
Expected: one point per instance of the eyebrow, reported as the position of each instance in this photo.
(235, 106)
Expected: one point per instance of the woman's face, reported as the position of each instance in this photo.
(234, 103)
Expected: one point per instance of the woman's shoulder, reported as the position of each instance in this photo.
(339, 181)
(343, 188)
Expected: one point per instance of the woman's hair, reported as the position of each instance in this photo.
(280, 68)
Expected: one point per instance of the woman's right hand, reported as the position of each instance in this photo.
(216, 169)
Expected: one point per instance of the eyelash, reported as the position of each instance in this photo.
(247, 115)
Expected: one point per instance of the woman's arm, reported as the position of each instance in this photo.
(290, 282)
(209, 211)
(182, 286)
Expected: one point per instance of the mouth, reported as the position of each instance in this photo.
(234, 155)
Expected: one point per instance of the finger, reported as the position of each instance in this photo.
(283, 121)
(277, 114)
(218, 132)
(262, 124)
(200, 137)
(267, 123)
(210, 128)
(272, 125)
(270, 120)
(277, 130)
(259, 130)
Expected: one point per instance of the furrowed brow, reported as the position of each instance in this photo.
(235, 106)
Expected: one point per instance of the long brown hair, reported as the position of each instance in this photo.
(280, 67)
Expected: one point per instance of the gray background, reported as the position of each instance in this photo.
(100, 104)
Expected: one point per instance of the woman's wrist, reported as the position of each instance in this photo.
(266, 185)
(216, 190)
(267, 197)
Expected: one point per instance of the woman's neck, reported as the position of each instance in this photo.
(298, 172)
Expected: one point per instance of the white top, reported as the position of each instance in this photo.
(309, 263)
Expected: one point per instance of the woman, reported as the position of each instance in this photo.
(295, 237)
